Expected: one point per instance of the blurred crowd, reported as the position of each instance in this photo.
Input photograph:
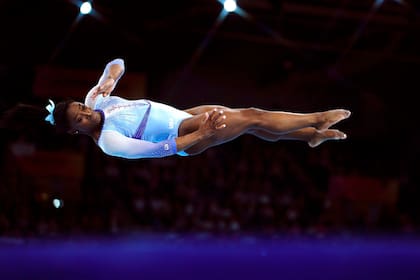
(244, 186)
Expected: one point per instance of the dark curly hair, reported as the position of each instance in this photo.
(60, 116)
(25, 116)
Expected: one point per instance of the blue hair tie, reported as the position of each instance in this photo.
(50, 108)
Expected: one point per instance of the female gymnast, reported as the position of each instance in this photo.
(146, 129)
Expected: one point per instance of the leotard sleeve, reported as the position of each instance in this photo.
(116, 144)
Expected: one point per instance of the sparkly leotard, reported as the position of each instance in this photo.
(138, 128)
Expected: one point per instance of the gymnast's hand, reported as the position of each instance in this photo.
(104, 88)
(212, 121)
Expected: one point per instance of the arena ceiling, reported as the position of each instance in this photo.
(156, 36)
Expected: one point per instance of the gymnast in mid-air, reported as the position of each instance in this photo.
(144, 128)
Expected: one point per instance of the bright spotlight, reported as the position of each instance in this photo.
(58, 203)
(230, 5)
(85, 8)
(378, 3)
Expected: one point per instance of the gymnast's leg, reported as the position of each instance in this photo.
(277, 122)
(267, 123)
(312, 136)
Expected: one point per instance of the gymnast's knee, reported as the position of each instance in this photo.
(252, 115)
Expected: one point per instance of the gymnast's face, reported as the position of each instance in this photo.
(82, 119)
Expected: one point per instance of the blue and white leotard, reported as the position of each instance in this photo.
(135, 128)
(138, 128)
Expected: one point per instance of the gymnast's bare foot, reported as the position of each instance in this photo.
(320, 136)
(331, 117)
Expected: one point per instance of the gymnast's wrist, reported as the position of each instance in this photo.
(197, 136)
